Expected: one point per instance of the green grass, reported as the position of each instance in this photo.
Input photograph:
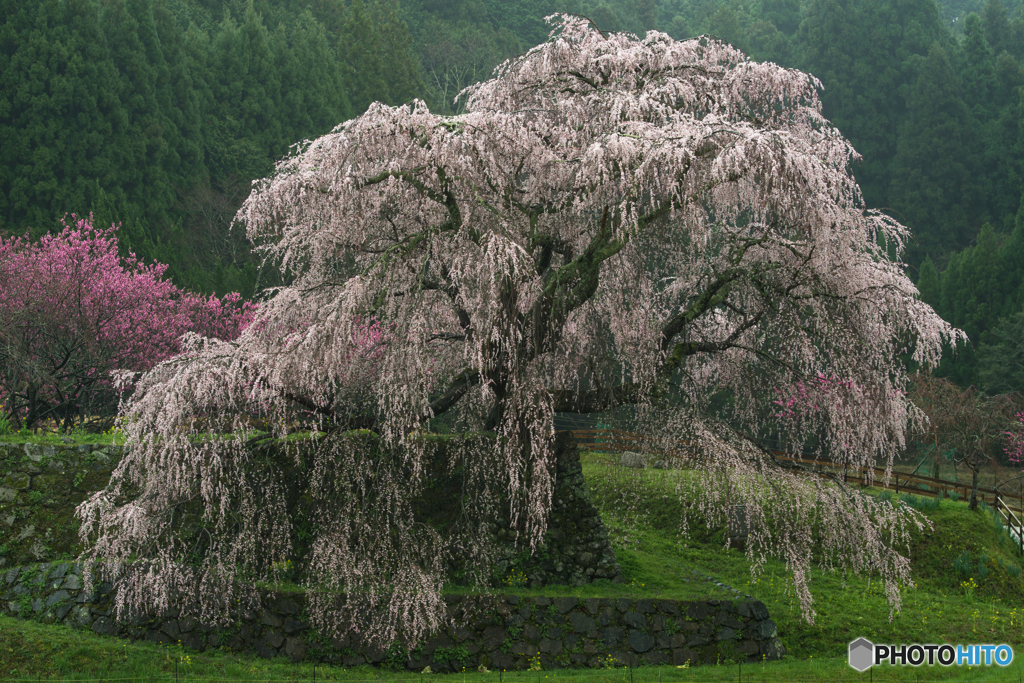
(642, 510)
(57, 439)
(31, 651)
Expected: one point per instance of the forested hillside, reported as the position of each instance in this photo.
(158, 114)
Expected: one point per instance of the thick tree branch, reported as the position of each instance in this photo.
(462, 383)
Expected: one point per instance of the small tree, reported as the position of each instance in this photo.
(72, 311)
(965, 423)
(612, 222)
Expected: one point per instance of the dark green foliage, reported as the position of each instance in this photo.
(928, 283)
(1001, 359)
(982, 292)
(997, 26)
(932, 179)
(158, 114)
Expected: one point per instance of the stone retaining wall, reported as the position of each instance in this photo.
(40, 486)
(499, 632)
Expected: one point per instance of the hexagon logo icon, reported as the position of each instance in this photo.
(862, 654)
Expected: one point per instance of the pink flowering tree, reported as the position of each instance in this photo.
(1015, 441)
(72, 311)
(966, 424)
(612, 222)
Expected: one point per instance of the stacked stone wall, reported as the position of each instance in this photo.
(499, 632)
(40, 486)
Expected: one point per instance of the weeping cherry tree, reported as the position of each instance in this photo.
(613, 222)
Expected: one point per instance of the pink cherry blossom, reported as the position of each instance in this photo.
(73, 311)
(613, 221)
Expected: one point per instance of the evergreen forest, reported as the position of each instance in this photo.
(158, 115)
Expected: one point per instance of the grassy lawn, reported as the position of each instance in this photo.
(32, 651)
(642, 510)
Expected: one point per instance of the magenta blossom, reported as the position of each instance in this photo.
(72, 311)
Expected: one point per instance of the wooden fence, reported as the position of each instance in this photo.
(618, 441)
(1012, 522)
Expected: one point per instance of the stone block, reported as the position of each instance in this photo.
(375, 654)
(582, 623)
(80, 617)
(159, 638)
(774, 649)
(612, 636)
(684, 656)
(268, 618)
(501, 661)
(639, 641)
(565, 605)
(188, 624)
(645, 606)
(273, 638)
(550, 646)
(295, 649)
(59, 596)
(19, 481)
(634, 620)
(293, 625)
(765, 630)
(288, 606)
(729, 620)
(170, 627)
(697, 611)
